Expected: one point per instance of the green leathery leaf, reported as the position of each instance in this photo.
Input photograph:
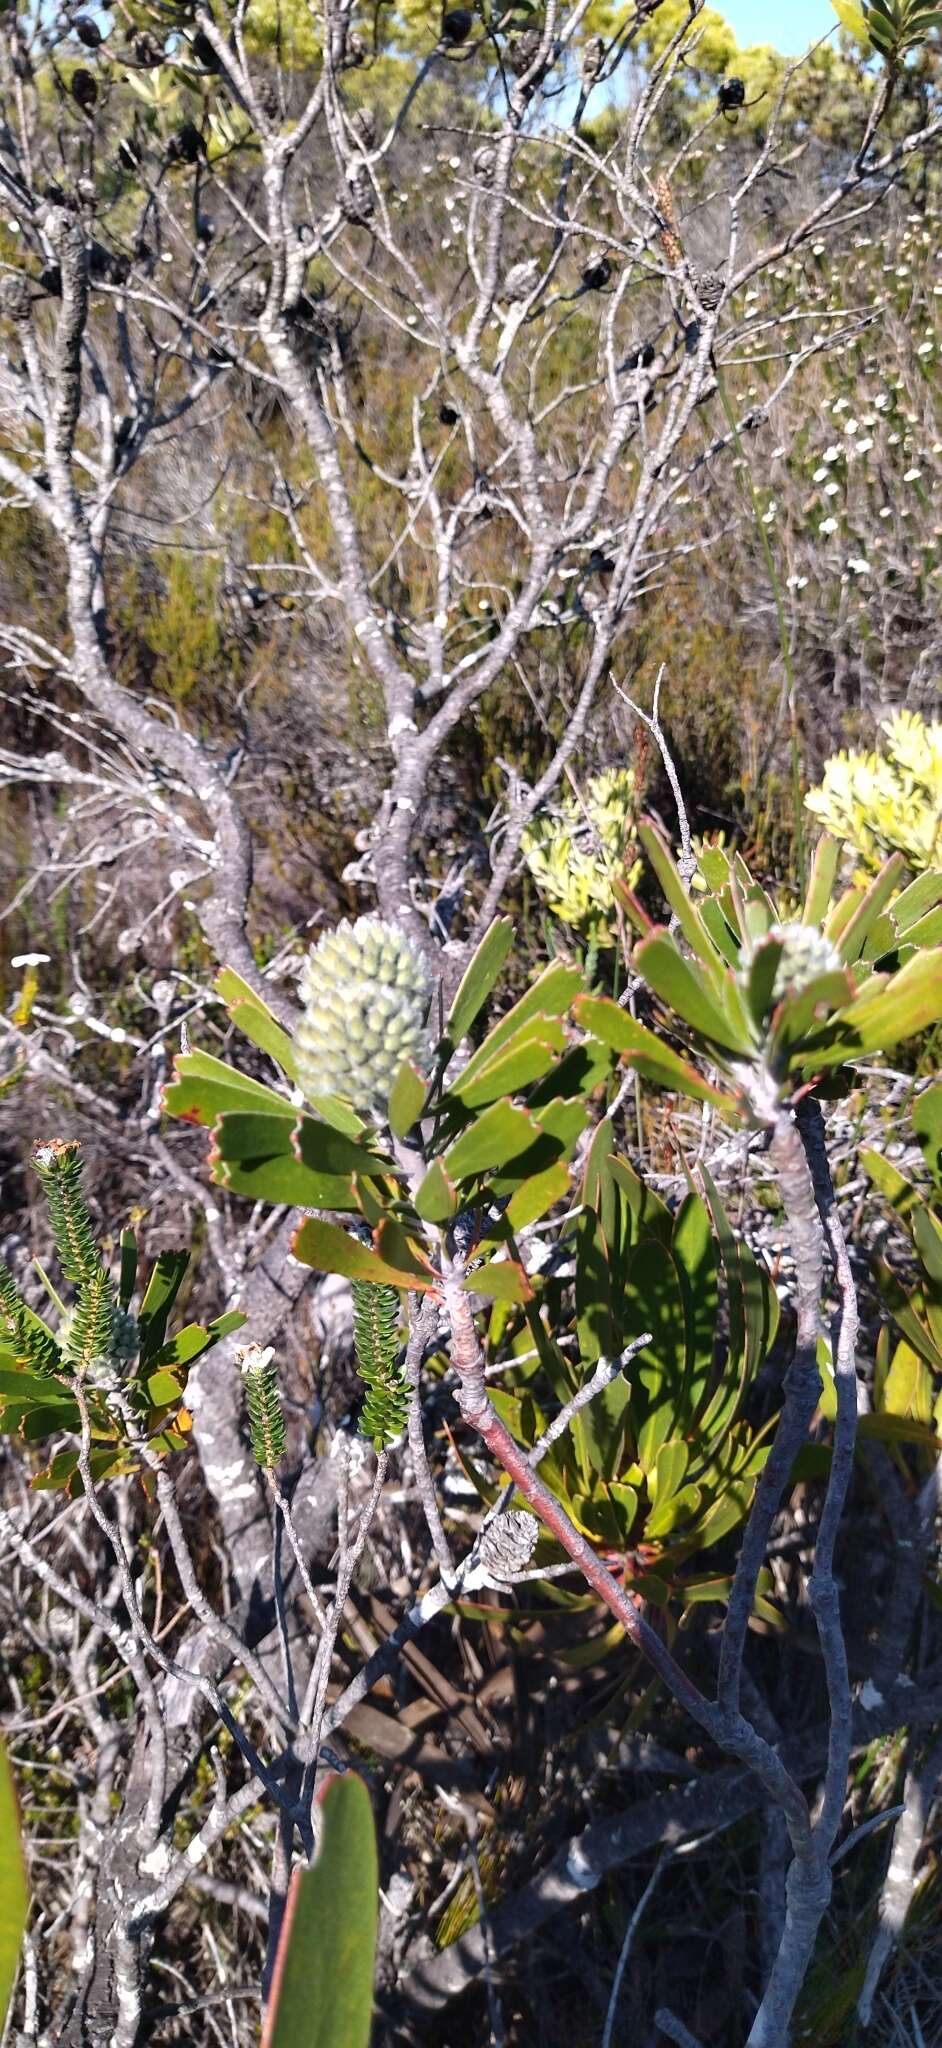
(195, 1338)
(479, 978)
(821, 879)
(872, 903)
(928, 1237)
(650, 1217)
(893, 1186)
(853, 19)
(653, 1301)
(14, 1895)
(797, 1015)
(676, 1508)
(499, 1280)
(913, 903)
(551, 995)
(329, 1249)
(436, 1197)
(683, 988)
(203, 1086)
(694, 1250)
(681, 904)
(653, 1058)
(501, 1133)
(258, 1155)
(884, 1014)
(721, 932)
(406, 1100)
(539, 1193)
(322, 1990)
(160, 1294)
(669, 1469)
(526, 1058)
(254, 1019)
(908, 1389)
(128, 1275)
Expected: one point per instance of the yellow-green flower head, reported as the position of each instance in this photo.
(366, 992)
(575, 853)
(886, 802)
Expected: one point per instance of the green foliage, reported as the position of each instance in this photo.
(376, 1317)
(908, 1379)
(888, 801)
(754, 992)
(263, 1402)
(660, 1466)
(97, 1340)
(14, 1895)
(322, 1995)
(575, 853)
(888, 27)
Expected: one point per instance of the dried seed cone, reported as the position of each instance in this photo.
(669, 237)
(366, 995)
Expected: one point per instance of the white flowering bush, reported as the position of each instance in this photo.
(888, 801)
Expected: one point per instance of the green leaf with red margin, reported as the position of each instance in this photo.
(259, 1156)
(653, 1059)
(551, 995)
(501, 1133)
(204, 1087)
(253, 1017)
(499, 1280)
(525, 1059)
(681, 904)
(322, 1989)
(684, 989)
(887, 1012)
(329, 1249)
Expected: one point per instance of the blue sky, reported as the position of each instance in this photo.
(790, 24)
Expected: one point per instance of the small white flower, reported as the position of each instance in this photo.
(828, 526)
(30, 959)
(925, 348)
(832, 454)
(886, 512)
(819, 476)
(910, 475)
(832, 491)
(858, 565)
(863, 446)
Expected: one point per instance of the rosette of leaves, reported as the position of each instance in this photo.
(96, 1337)
(661, 1465)
(576, 852)
(767, 1002)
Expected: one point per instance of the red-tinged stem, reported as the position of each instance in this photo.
(728, 1728)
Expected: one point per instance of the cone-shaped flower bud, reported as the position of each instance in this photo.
(366, 993)
(806, 953)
